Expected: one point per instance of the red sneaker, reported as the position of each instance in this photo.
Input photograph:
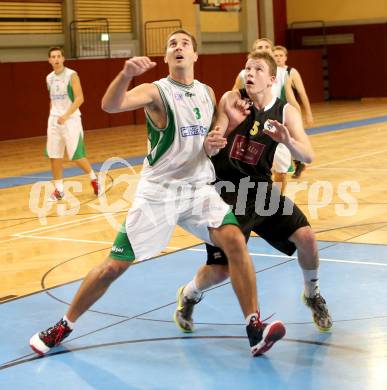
(56, 195)
(262, 336)
(94, 183)
(42, 342)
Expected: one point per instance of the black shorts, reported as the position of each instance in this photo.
(274, 225)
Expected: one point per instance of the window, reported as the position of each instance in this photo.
(31, 17)
(118, 13)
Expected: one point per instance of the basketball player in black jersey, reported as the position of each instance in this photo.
(242, 145)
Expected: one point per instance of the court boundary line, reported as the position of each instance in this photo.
(193, 249)
(350, 159)
(33, 356)
(76, 222)
(46, 289)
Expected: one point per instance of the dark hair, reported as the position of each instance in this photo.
(267, 57)
(182, 31)
(55, 48)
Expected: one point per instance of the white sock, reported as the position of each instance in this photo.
(92, 175)
(311, 282)
(59, 185)
(191, 291)
(251, 316)
(70, 324)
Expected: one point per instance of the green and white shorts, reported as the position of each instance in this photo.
(69, 136)
(157, 210)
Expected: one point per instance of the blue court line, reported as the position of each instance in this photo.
(346, 125)
(30, 178)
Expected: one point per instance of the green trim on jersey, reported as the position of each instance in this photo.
(46, 152)
(70, 91)
(122, 249)
(160, 139)
(213, 105)
(230, 219)
(80, 151)
(283, 89)
(181, 85)
(283, 94)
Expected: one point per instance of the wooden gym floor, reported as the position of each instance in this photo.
(343, 193)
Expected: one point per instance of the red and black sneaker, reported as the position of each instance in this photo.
(262, 336)
(94, 183)
(56, 195)
(42, 342)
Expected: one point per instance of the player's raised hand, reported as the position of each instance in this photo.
(136, 66)
(237, 110)
(243, 106)
(214, 141)
(278, 132)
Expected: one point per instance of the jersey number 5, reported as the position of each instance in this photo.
(254, 130)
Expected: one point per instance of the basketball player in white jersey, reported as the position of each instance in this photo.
(281, 55)
(174, 189)
(281, 88)
(64, 130)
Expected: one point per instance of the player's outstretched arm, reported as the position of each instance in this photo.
(292, 134)
(215, 139)
(299, 85)
(232, 110)
(290, 97)
(117, 98)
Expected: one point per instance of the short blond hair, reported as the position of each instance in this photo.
(262, 39)
(282, 48)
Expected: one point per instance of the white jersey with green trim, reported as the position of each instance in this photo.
(176, 152)
(61, 92)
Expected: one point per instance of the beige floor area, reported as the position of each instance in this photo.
(343, 193)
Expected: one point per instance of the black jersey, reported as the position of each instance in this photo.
(250, 152)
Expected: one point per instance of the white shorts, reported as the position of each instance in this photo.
(157, 210)
(282, 159)
(69, 136)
